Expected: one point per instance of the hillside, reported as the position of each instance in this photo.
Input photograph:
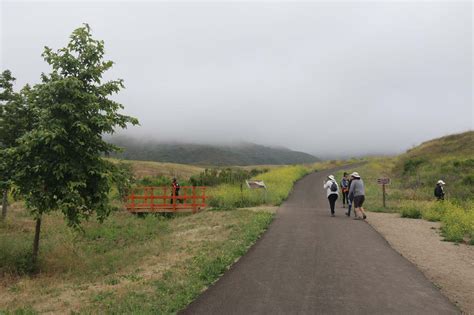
(197, 154)
(458, 144)
(449, 158)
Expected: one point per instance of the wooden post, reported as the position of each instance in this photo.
(383, 190)
(152, 201)
(194, 199)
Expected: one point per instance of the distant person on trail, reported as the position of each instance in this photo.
(345, 190)
(358, 191)
(439, 190)
(175, 191)
(332, 189)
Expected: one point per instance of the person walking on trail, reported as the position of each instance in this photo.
(439, 190)
(332, 191)
(345, 190)
(350, 199)
(175, 191)
(358, 191)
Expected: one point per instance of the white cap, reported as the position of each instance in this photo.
(355, 174)
(331, 177)
(441, 182)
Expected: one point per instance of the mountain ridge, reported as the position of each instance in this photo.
(208, 154)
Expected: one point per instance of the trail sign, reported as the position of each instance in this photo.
(383, 181)
(255, 184)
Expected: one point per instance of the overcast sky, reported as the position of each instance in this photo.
(328, 78)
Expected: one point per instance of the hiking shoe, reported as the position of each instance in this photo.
(365, 217)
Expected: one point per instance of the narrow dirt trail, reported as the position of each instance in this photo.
(311, 263)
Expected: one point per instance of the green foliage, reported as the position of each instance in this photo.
(59, 162)
(155, 181)
(15, 256)
(183, 283)
(15, 119)
(457, 223)
(410, 210)
(414, 200)
(448, 158)
(97, 250)
(411, 165)
(279, 183)
(124, 179)
(214, 177)
(201, 154)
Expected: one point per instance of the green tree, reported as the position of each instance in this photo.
(59, 163)
(15, 120)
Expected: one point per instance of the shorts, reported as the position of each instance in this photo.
(359, 201)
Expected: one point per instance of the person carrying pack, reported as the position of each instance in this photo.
(358, 191)
(439, 190)
(332, 191)
(345, 190)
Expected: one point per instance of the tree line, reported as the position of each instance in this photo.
(51, 135)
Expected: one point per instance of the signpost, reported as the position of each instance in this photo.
(257, 184)
(383, 181)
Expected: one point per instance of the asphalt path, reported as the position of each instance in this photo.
(311, 263)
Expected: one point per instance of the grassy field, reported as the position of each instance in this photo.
(414, 175)
(145, 265)
(143, 169)
(151, 264)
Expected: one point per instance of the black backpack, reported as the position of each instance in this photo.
(438, 192)
(334, 186)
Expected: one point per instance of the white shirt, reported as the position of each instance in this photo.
(328, 187)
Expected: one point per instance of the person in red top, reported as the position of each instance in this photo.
(176, 188)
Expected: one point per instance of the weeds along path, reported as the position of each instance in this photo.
(308, 262)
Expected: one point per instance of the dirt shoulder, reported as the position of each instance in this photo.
(449, 266)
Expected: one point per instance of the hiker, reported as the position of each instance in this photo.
(175, 191)
(345, 190)
(350, 199)
(439, 190)
(332, 189)
(358, 191)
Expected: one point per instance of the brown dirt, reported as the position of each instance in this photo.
(447, 265)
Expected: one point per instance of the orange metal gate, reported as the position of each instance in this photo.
(164, 199)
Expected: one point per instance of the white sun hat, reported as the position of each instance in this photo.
(355, 174)
(331, 177)
(441, 182)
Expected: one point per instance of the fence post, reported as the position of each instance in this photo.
(383, 190)
(194, 199)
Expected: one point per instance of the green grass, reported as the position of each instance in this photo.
(279, 183)
(184, 282)
(414, 175)
(121, 256)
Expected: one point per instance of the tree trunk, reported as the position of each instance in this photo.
(36, 240)
(4, 203)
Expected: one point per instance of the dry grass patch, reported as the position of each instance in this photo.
(125, 260)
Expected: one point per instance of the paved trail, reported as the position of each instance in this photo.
(310, 263)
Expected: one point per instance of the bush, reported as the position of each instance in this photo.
(434, 212)
(16, 257)
(458, 223)
(412, 213)
(279, 183)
